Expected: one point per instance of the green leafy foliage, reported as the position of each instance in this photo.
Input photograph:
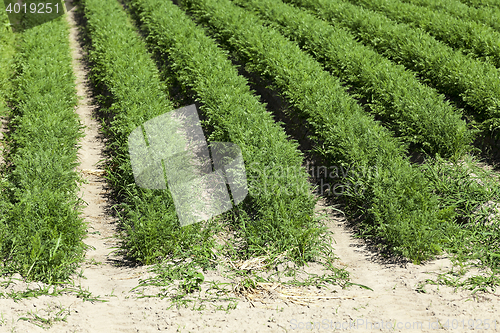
(487, 15)
(474, 195)
(122, 65)
(453, 73)
(131, 93)
(7, 51)
(42, 234)
(277, 214)
(412, 110)
(482, 3)
(396, 202)
(468, 36)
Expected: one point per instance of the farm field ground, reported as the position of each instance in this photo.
(365, 288)
(395, 299)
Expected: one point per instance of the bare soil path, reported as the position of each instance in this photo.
(393, 304)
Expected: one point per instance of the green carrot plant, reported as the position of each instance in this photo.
(131, 93)
(42, 231)
(267, 220)
(412, 110)
(487, 15)
(482, 3)
(474, 82)
(396, 203)
(467, 36)
(277, 214)
(7, 51)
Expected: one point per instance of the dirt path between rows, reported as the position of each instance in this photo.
(393, 304)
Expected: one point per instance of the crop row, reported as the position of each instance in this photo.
(279, 193)
(451, 72)
(487, 15)
(6, 57)
(412, 110)
(132, 94)
(42, 232)
(467, 36)
(396, 201)
(7, 52)
(275, 217)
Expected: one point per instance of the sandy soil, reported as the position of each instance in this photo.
(393, 304)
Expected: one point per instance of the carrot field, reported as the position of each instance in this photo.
(386, 112)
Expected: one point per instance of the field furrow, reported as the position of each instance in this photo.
(131, 93)
(236, 116)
